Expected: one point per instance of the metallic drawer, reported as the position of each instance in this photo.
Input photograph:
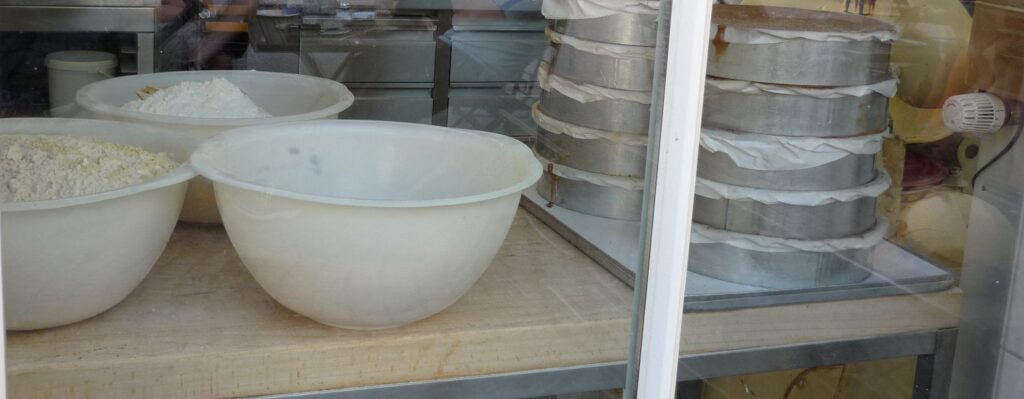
(368, 56)
(504, 110)
(400, 105)
(496, 56)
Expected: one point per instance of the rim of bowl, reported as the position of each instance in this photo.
(180, 174)
(200, 165)
(86, 98)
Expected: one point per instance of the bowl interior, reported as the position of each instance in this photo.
(176, 146)
(369, 162)
(280, 94)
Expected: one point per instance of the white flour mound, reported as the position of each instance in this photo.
(216, 98)
(44, 167)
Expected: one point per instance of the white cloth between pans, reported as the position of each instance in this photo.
(886, 88)
(767, 152)
(703, 234)
(582, 132)
(605, 49)
(586, 92)
(772, 36)
(715, 190)
(584, 9)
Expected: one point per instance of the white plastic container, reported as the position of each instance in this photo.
(67, 260)
(68, 71)
(366, 224)
(288, 97)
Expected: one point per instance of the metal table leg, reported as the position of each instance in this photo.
(934, 371)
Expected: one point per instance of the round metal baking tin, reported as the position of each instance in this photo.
(592, 155)
(628, 29)
(798, 61)
(801, 62)
(603, 70)
(795, 115)
(609, 114)
(780, 270)
(591, 199)
(850, 171)
(832, 220)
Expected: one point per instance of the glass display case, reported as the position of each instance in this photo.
(511, 199)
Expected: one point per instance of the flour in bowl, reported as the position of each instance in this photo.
(44, 167)
(216, 98)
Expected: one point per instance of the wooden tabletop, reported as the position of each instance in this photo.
(199, 326)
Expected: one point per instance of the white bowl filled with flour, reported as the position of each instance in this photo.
(88, 207)
(205, 103)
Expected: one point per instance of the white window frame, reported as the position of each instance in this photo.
(671, 202)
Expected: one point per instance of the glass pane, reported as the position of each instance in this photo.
(857, 185)
(370, 198)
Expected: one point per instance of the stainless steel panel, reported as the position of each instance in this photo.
(610, 115)
(591, 199)
(504, 110)
(793, 115)
(1010, 384)
(275, 33)
(371, 56)
(145, 58)
(834, 220)
(401, 105)
(801, 62)
(605, 71)
(496, 56)
(780, 270)
(850, 171)
(77, 19)
(628, 29)
(594, 155)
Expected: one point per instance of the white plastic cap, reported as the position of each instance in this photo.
(974, 113)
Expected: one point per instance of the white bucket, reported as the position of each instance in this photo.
(69, 71)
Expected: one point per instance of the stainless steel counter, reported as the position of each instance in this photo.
(129, 16)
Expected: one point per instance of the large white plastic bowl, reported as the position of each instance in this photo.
(366, 224)
(288, 97)
(69, 259)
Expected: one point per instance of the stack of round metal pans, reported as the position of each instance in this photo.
(795, 108)
(594, 114)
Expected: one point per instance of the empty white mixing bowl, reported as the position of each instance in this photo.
(366, 224)
(69, 259)
(288, 97)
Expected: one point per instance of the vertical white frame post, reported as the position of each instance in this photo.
(3, 333)
(672, 206)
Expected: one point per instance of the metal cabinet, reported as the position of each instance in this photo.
(504, 110)
(496, 56)
(371, 55)
(391, 104)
